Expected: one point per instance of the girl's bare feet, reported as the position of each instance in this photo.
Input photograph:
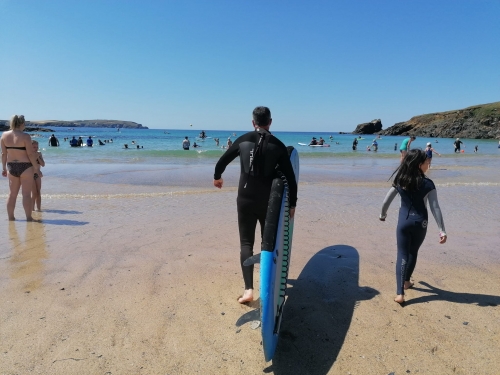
(400, 299)
(247, 296)
(408, 285)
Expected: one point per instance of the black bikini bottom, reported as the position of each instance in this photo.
(17, 169)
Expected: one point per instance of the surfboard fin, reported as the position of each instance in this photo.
(252, 260)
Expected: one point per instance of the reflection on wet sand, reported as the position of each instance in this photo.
(28, 254)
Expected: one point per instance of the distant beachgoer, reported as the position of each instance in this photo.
(476, 148)
(415, 190)
(313, 142)
(186, 143)
(498, 144)
(73, 142)
(36, 194)
(101, 143)
(125, 145)
(216, 141)
(331, 137)
(229, 142)
(457, 144)
(395, 146)
(321, 141)
(53, 141)
(368, 148)
(90, 142)
(80, 142)
(355, 144)
(405, 146)
(428, 151)
(375, 145)
(19, 165)
(195, 145)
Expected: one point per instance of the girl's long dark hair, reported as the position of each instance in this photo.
(408, 175)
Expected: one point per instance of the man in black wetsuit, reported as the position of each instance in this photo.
(53, 141)
(261, 156)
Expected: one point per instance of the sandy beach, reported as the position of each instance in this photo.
(138, 273)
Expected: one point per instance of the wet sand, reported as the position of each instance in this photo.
(142, 278)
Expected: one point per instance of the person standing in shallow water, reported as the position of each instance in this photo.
(415, 190)
(53, 141)
(261, 155)
(405, 146)
(37, 184)
(19, 165)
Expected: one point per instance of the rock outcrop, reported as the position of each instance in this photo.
(369, 127)
(477, 122)
(4, 124)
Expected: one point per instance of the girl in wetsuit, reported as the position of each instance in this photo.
(415, 190)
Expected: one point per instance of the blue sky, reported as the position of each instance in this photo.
(320, 65)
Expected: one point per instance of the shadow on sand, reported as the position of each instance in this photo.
(63, 212)
(73, 223)
(318, 312)
(444, 295)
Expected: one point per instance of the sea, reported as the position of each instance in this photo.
(165, 145)
(155, 157)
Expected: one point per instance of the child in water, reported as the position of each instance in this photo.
(36, 195)
(415, 190)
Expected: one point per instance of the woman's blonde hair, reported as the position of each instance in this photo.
(16, 122)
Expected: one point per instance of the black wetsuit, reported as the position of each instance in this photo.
(412, 226)
(255, 185)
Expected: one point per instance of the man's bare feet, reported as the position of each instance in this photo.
(247, 296)
(400, 299)
(12, 218)
(408, 285)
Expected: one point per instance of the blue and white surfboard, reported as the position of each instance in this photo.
(275, 258)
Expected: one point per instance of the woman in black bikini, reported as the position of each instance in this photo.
(19, 165)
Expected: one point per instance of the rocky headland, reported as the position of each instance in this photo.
(478, 122)
(371, 127)
(38, 125)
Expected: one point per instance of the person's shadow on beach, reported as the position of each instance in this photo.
(437, 294)
(318, 312)
(73, 223)
(62, 212)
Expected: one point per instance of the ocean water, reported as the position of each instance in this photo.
(161, 161)
(160, 146)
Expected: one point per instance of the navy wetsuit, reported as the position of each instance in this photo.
(412, 225)
(269, 154)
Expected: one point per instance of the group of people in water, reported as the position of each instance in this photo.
(73, 142)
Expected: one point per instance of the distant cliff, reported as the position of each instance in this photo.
(479, 122)
(4, 124)
(368, 127)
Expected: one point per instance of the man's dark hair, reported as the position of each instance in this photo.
(261, 116)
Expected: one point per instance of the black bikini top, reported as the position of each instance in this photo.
(16, 148)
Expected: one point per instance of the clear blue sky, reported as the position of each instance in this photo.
(319, 65)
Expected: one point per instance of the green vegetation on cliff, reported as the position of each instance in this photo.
(478, 121)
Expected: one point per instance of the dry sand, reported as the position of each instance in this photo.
(122, 279)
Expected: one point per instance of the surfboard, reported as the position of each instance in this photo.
(305, 144)
(275, 259)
